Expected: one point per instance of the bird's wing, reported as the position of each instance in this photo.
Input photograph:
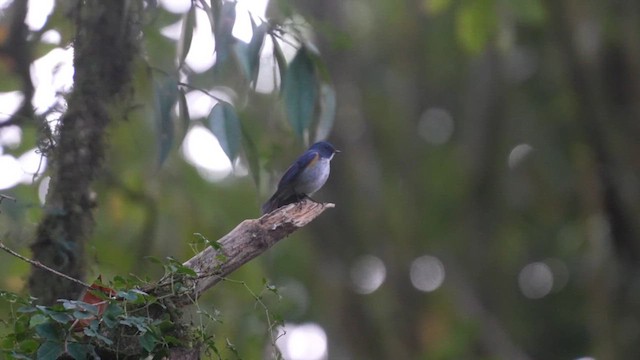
(305, 160)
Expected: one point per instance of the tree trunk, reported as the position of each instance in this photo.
(105, 46)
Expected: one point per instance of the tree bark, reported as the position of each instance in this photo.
(105, 46)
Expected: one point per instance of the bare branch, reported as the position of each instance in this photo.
(41, 266)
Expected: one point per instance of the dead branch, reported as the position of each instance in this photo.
(248, 240)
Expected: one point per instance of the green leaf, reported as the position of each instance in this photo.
(131, 295)
(36, 320)
(78, 351)
(184, 43)
(49, 350)
(82, 315)
(90, 308)
(183, 111)
(48, 331)
(21, 324)
(172, 340)
(225, 125)
(148, 341)
(8, 342)
(327, 114)
(110, 316)
(61, 317)
(27, 309)
(166, 94)
(92, 331)
(249, 54)
(68, 304)
(476, 23)
(28, 346)
(300, 92)
(251, 152)
(280, 60)
(138, 322)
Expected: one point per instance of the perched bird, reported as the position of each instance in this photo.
(304, 177)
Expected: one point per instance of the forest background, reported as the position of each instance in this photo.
(487, 197)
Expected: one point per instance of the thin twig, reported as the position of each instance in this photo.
(43, 267)
(3, 196)
(188, 86)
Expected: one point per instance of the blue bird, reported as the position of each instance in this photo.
(306, 176)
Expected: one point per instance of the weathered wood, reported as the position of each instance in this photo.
(246, 241)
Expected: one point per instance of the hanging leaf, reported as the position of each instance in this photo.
(223, 31)
(280, 60)
(184, 44)
(255, 47)
(251, 152)
(327, 114)
(184, 117)
(166, 93)
(300, 92)
(225, 125)
(248, 55)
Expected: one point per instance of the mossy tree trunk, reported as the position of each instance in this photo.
(105, 47)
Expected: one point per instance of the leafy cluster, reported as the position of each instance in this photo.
(309, 99)
(120, 319)
(78, 328)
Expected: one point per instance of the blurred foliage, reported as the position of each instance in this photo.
(561, 77)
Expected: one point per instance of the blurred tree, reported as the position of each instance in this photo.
(493, 134)
(487, 192)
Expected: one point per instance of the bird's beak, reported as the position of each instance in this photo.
(337, 151)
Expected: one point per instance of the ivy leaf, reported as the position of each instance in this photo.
(225, 125)
(327, 114)
(61, 317)
(78, 351)
(300, 92)
(36, 320)
(28, 346)
(184, 43)
(49, 350)
(166, 93)
(48, 331)
(111, 314)
(148, 341)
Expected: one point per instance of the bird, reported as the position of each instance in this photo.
(304, 177)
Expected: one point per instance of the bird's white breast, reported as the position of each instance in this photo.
(313, 177)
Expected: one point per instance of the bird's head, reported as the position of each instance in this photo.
(325, 149)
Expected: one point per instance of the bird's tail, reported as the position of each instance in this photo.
(278, 200)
